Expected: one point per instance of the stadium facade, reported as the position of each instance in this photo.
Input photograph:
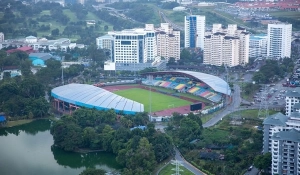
(73, 96)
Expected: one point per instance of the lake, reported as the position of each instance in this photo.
(28, 150)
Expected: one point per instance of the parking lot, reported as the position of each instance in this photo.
(273, 94)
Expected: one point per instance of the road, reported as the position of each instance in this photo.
(186, 164)
(234, 106)
(254, 171)
(175, 26)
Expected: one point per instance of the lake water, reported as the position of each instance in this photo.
(28, 150)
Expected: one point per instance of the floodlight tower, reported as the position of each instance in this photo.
(227, 80)
(263, 107)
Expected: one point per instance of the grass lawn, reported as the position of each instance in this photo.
(159, 101)
(168, 170)
(18, 122)
(56, 25)
(182, 94)
(287, 14)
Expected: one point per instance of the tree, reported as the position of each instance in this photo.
(185, 55)
(171, 61)
(67, 134)
(107, 137)
(90, 171)
(263, 162)
(55, 32)
(105, 27)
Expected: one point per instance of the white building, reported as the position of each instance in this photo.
(134, 45)
(194, 27)
(281, 137)
(185, 2)
(258, 46)
(279, 40)
(285, 152)
(168, 42)
(292, 99)
(278, 131)
(226, 46)
(142, 45)
(106, 42)
(41, 43)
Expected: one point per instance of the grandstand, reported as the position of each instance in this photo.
(199, 84)
(73, 96)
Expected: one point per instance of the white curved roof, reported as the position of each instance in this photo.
(216, 83)
(94, 97)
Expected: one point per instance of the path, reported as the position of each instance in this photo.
(186, 164)
(236, 101)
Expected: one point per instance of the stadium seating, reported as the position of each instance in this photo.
(185, 85)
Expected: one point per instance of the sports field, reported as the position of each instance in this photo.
(159, 101)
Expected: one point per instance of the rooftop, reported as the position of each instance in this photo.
(94, 97)
(291, 135)
(293, 93)
(295, 115)
(216, 83)
(277, 119)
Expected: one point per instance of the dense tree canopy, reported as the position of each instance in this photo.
(272, 70)
(104, 130)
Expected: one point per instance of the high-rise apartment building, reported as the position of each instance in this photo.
(281, 137)
(194, 28)
(168, 42)
(279, 40)
(258, 46)
(286, 152)
(226, 46)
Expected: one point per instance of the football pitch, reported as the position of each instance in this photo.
(159, 101)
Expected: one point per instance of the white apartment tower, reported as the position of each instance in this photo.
(286, 152)
(279, 40)
(168, 42)
(226, 46)
(194, 27)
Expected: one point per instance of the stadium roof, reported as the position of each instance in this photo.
(94, 97)
(216, 83)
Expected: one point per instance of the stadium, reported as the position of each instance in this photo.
(159, 93)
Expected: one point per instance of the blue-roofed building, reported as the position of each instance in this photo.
(2, 120)
(73, 96)
(139, 127)
(258, 45)
(38, 59)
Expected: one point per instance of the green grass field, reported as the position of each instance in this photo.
(159, 101)
(168, 170)
(287, 14)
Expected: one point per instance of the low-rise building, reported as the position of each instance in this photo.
(40, 43)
